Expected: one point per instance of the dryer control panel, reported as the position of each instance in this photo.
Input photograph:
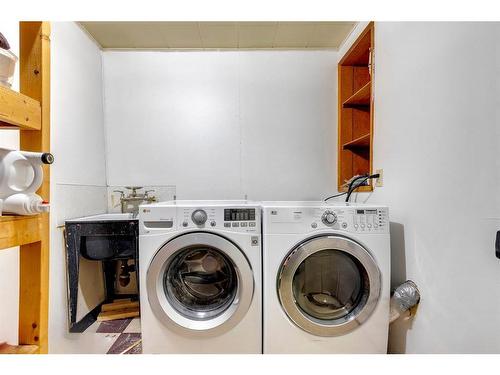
(369, 219)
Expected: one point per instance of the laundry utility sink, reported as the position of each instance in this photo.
(103, 237)
(111, 239)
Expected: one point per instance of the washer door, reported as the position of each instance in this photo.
(200, 283)
(329, 285)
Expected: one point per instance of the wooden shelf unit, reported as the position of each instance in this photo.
(29, 112)
(355, 109)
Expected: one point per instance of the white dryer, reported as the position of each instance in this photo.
(326, 277)
(200, 277)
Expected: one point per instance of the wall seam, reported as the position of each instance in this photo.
(240, 125)
(104, 132)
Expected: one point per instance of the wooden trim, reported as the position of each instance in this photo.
(339, 130)
(361, 189)
(34, 258)
(348, 58)
(19, 111)
(19, 230)
(118, 314)
(372, 101)
(119, 305)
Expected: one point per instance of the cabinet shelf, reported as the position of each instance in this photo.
(360, 142)
(360, 98)
(18, 111)
(19, 230)
(18, 349)
(361, 189)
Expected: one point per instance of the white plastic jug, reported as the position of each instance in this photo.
(21, 171)
(25, 204)
(7, 67)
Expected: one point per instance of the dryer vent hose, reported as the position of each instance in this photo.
(404, 298)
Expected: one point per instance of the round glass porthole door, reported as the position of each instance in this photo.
(200, 283)
(329, 285)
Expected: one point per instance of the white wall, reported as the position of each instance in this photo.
(222, 124)
(9, 258)
(78, 181)
(437, 138)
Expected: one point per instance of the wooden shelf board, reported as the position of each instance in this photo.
(360, 97)
(18, 349)
(361, 189)
(19, 111)
(19, 230)
(360, 142)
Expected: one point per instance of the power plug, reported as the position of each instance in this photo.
(379, 182)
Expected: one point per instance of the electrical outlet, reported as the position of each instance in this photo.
(379, 182)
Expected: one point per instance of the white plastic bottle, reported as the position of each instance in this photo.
(25, 204)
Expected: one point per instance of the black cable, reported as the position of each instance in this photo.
(334, 196)
(351, 184)
(348, 188)
(352, 189)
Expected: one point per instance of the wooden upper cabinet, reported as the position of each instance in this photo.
(355, 109)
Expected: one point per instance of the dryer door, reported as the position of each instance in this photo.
(329, 285)
(200, 283)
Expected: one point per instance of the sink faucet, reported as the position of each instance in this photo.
(130, 202)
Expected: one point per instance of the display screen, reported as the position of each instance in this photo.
(239, 214)
(367, 212)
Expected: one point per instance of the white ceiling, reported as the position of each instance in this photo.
(219, 35)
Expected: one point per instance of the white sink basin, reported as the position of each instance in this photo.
(105, 217)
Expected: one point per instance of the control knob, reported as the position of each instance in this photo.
(329, 217)
(199, 217)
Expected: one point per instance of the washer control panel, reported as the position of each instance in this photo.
(237, 219)
(156, 218)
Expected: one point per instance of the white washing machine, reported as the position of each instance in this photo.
(326, 277)
(200, 277)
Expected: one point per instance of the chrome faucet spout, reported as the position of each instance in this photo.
(130, 202)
